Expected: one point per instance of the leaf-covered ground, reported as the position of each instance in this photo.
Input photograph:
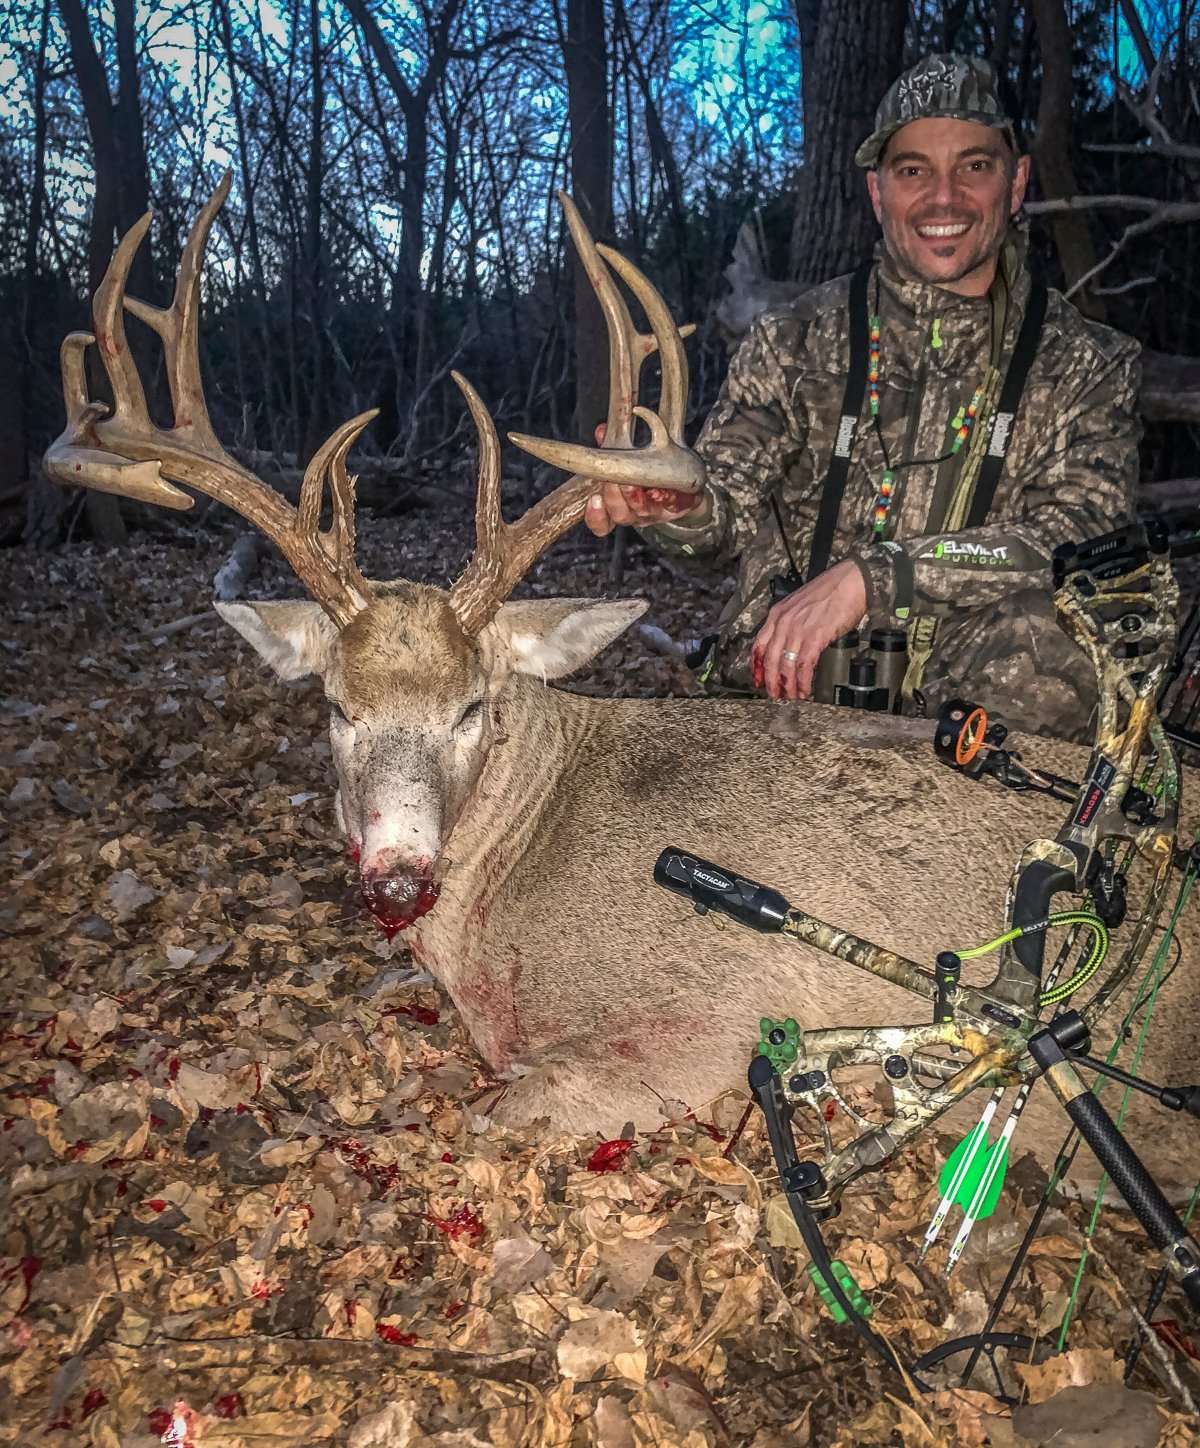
(245, 1197)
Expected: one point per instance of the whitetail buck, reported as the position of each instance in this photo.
(512, 827)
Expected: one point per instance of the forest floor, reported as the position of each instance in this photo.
(245, 1198)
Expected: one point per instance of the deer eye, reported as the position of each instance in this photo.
(470, 715)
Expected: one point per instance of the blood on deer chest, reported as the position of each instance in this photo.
(480, 964)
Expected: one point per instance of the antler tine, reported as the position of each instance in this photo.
(329, 462)
(504, 551)
(179, 326)
(126, 453)
(626, 346)
(478, 593)
(667, 337)
(667, 462)
(108, 315)
(71, 458)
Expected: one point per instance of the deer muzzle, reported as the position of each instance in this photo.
(398, 898)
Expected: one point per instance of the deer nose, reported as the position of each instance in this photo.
(398, 898)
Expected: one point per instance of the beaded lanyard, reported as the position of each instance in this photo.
(961, 424)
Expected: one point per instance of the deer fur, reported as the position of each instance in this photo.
(592, 994)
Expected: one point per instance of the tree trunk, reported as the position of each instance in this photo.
(409, 305)
(258, 302)
(855, 56)
(1002, 38)
(808, 19)
(311, 427)
(662, 155)
(1052, 149)
(103, 509)
(17, 348)
(586, 62)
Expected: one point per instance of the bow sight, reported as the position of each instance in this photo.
(1117, 597)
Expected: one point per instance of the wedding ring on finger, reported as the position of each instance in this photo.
(790, 655)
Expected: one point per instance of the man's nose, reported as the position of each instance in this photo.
(944, 189)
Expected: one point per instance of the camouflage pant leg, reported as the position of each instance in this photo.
(1016, 661)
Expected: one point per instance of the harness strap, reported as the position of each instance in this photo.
(852, 401)
(1024, 351)
(920, 649)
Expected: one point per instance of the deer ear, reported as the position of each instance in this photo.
(554, 636)
(293, 638)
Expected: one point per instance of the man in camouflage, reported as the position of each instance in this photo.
(949, 287)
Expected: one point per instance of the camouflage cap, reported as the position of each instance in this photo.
(958, 86)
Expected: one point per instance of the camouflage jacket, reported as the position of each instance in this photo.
(1070, 472)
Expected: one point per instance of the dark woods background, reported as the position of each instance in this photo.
(391, 215)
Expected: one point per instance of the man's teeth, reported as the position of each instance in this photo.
(938, 231)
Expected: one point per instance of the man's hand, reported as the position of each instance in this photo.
(611, 505)
(803, 624)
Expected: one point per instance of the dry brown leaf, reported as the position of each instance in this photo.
(1079, 1367)
(602, 1341)
(518, 1262)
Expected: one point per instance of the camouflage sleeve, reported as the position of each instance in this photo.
(752, 436)
(1079, 484)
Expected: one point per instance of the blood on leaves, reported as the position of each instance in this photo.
(423, 1015)
(465, 1222)
(610, 1155)
(94, 1398)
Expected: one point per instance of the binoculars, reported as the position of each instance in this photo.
(863, 675)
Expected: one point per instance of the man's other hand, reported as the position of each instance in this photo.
(800, 626)
(611, 505)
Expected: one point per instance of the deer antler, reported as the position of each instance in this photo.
(125, 452)
(504, 552)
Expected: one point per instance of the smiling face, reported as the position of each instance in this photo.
(944, 192)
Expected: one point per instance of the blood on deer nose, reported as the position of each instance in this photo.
(397, 900)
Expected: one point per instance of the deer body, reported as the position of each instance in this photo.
(602, 998)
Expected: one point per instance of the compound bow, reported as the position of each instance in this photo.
(1117, 597)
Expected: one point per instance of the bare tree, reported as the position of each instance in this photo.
(585, 59)
(1052, 149)
(15, 429)
(409, 302)
(122, 191)
(853, 50)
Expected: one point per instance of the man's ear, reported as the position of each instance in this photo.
(873, 192)
(293, 638)
(555, 636)
(1020, 182)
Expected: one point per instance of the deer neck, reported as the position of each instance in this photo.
(539, 732)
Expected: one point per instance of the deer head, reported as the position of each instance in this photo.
(413, 673)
